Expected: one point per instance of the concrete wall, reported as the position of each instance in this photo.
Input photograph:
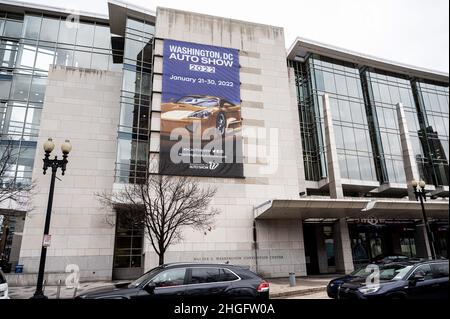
(83, 106)
(266, 103)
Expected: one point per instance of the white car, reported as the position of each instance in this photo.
(3, 286)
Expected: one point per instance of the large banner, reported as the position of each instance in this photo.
(201, 124)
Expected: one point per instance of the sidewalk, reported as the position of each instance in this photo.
(305, 286)
(278, 288)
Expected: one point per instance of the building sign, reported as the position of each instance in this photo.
(201, 124)
(46, 242)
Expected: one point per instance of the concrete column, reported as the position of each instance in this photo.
(343, 247)
(422, 244)
(334, 172)
(322, 257)
(411, 171)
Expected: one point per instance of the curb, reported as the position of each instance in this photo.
(299, 292)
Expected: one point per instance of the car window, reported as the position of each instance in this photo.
(440, 270)
(170, 278)
(205, 275)
(394, 272)
(198, 101)
(144, 278)
(227, 275)
(425, 271)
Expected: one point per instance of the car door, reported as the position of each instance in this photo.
(206, 282)
(422, 289)
(168, 284)
(440, 275)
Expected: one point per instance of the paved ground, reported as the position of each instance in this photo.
(320, 295)
(279, 288)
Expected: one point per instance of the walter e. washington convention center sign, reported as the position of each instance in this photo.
(201, 124)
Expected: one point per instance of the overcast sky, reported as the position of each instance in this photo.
(414, 32)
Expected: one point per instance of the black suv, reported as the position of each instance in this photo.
(188, 281)
(402, 280)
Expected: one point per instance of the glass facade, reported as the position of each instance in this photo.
(433, 101)
(134, 129)
(363, 104)
(29, 44)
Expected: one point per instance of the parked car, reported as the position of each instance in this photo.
(210, 111)
(3, 286)
(188, 281)
(385, 259)
(402, 280)
(335, 284)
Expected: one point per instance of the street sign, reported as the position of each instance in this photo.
(47, 241)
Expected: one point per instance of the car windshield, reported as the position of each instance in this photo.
(362, 272)
(394, 272)
(144, 278)
(199, 101)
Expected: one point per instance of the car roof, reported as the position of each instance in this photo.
(191, 264)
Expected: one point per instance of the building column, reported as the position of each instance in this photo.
(422, 244)
(322, 257)
(411, 171)
(334, 172)
(343, 247)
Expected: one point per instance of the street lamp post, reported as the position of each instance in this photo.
(54, 164)
(419, 191)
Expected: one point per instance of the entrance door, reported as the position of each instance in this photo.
(312, 262)
(128, 251)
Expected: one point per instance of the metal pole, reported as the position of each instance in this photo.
(39, 294)
(427, 225)
(58, 289)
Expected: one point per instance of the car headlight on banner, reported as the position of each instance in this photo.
(201, 114)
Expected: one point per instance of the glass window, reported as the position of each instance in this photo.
(26, 57)
(320, 84)
(82, 59)
(85, 35)
(100, 61)
(44, 58)
(353, 167)
(357, 115)
(338, 137)
(5, 86)
(344, 109)
(20, 87)
(353, 88)
(341, 85)
(361, 140)
(334, 107)
(13, 28)
(64, 57)
(8, 53)
(102, 38)
(16, 120)
(133, 50)
(37, 91)
(124, 152)
(440, 270)
(399, 172)
(390, 116)
(32, 27)
(205, 275)
(170, 278)
(343, 166)
(67, 32)
(32, 121)
(395, 95)
(384, 94)
(129, 81)
(330, 85)
(424, 271)
(49, 29)
(226, 275)
(365, 164)
(135, 24)
(349, 138)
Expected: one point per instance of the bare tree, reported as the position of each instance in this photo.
(163, 206)
(10, 188)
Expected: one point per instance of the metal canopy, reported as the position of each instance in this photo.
(347, 208)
